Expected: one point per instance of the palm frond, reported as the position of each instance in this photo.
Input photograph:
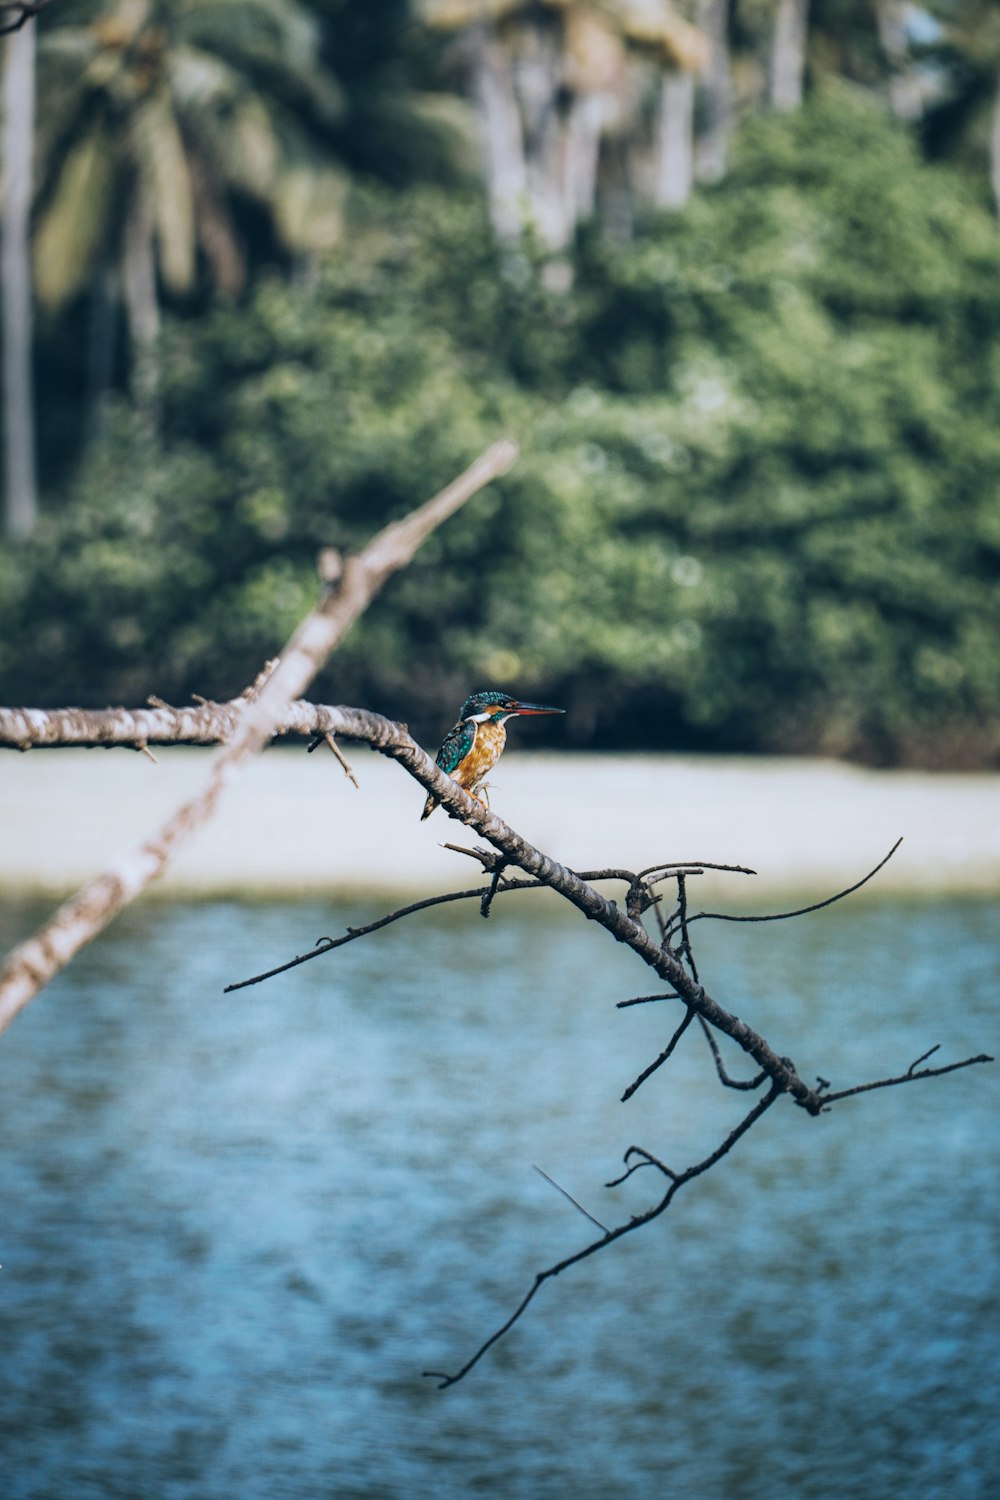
(253, 150)
(309, 206)
(163, 167)
(201, 81)
(74, 220)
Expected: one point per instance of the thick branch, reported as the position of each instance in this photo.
(30, 966)
(393, 740)
(194, 724)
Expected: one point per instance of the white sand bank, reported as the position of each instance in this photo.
(295, 823)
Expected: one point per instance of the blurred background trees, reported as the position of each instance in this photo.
(728, 269)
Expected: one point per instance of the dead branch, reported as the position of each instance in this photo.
(910, 1076)
(201, 723)
(801, 911)
(247, 723)
(17, 13)
(663, 1057)
(327, 944)
(677, 1180)
(31, 965)
(392, 740)
(679, 962)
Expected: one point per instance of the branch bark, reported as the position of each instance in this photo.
(251, 727)
(31, 965)
(393, 740)
(676, 965)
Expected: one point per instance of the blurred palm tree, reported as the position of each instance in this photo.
(554, 81)
(159, 118)
(788, 53)
(964, 121)
(18, 90)
(14, 14)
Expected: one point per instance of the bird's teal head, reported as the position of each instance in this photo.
(500, 707)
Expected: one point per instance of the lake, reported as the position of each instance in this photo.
(236, 1228)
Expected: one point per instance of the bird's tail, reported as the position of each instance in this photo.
(429, 807)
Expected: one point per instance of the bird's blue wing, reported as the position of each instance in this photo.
(456, 745)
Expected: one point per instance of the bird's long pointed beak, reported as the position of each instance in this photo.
(537, 708)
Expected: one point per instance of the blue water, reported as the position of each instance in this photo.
(235, 1229)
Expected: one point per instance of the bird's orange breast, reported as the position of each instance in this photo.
(486, 750)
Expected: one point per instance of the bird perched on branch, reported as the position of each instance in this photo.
(473, 746)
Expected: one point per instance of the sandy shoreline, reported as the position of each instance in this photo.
(294, 823)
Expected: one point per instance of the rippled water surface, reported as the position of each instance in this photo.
(234, 1229)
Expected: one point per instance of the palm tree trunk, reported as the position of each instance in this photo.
(712, 17)
(788, 53)
(20, 485)
(101, 329)
(503, 139)
(584, 128)
(904, 90)
(675, 147)
(141, 304)
(536, 77)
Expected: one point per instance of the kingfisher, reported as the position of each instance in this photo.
(473, 746)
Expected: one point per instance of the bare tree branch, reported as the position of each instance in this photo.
(30, 966)
(17, 13)
(748, 1084)
(677, 1181)
(910, 1076)
(783, 916)
(266, 709)
(201, 723)
(392, 740)
(327, 944)
(663, 1057)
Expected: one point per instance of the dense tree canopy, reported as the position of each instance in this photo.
(757, 506)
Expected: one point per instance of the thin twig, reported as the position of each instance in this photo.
(908, 1077)
(644, 1159)
(692, 866)
(487, 901)
(645, 1000)
(328, 944)
(329, 739)
(659, 1061)
(781, 916)
(569, 1197)
(724, 1078)
(636, 1222)
(683, 925)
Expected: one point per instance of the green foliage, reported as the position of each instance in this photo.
(757, 506)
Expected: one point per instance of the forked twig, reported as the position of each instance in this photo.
(677, 1181)
(910, 1076)
(328, 944)
(748, 1084)
(782, 916)
(663, 1057)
